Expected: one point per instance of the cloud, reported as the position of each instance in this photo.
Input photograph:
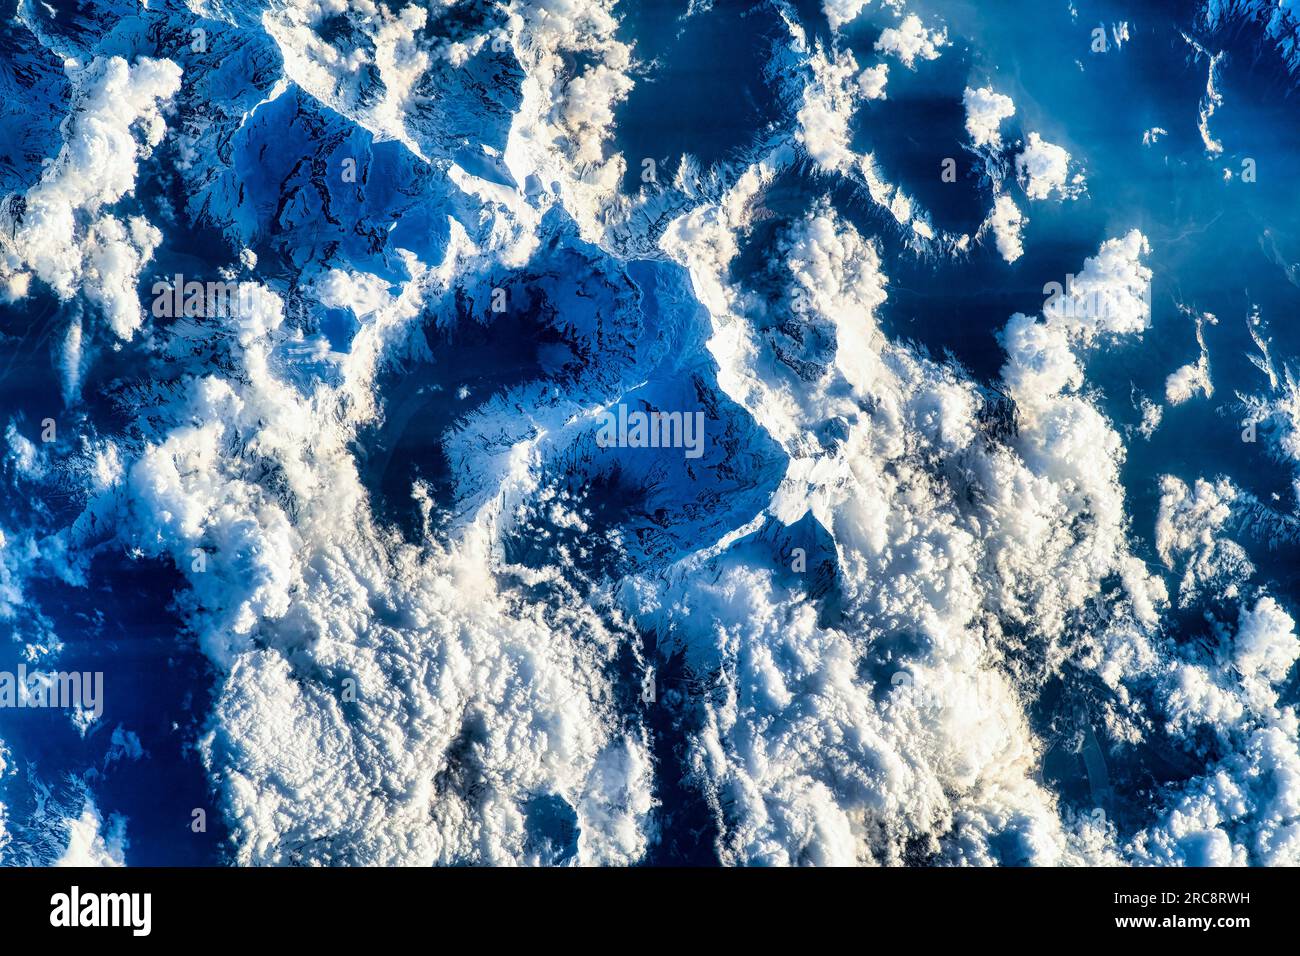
(910, 41)
(1044, 171)
(872, 81)
(365, 712)
(1266, 646)
(840, 12)
(1243, 808)
(1250, 793)
(89, 844)
(23, 454)
(388, 694)
(1110, 296)
(1187, 381)
(809, 750)
(116, 120)
(1189, 530)
(829, 101)
(1007, 223)
(985, 111)
(566, 119)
